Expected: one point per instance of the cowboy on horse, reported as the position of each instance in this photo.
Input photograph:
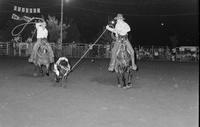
(121, 30)
(42, 34)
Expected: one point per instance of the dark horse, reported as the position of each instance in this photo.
(42, 59)
(123, 66)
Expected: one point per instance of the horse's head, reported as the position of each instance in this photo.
(43, 49)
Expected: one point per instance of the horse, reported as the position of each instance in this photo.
(42, 58)
(123, 66)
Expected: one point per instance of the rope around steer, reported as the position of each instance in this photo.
(87, 51)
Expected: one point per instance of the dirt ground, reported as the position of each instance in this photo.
(165, 94)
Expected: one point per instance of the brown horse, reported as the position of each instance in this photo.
(123, 66)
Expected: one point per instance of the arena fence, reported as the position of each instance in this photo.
(5, 48)
(74, 50)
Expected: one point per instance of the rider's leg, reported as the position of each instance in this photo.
(132, 53)
(34, 51)
(51, 55)
(113, 56)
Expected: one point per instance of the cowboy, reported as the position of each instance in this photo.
(42, 34)
(121, 30)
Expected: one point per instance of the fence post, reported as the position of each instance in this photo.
(7, 46)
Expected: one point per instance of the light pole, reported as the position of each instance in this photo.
(61, 22)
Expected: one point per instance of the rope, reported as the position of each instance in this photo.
(24, 26)
(87, 51)
(33, 34)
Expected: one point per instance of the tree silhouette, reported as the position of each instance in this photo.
(54, 28)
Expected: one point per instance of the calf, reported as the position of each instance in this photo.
(61, 69)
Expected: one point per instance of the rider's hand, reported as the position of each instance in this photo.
(90, 47)
(107, 27)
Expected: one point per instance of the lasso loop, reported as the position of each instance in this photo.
(24, 26)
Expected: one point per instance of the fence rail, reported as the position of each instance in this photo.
(183, 53)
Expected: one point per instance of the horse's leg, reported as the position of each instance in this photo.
(51, 66)
(118, 80)
(130, 76)
(124, 80)
(40, 67)
(35, 71)
(121, 80)
(47, 69)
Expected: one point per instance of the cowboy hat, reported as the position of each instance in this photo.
(119, 16)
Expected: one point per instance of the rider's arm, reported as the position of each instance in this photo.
(37, 25)
(111, 29)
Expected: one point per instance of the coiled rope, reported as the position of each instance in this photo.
(24, 26)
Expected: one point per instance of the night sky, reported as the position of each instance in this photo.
(178, 17)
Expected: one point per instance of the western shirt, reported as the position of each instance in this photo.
(41, 31)
(121, 28)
